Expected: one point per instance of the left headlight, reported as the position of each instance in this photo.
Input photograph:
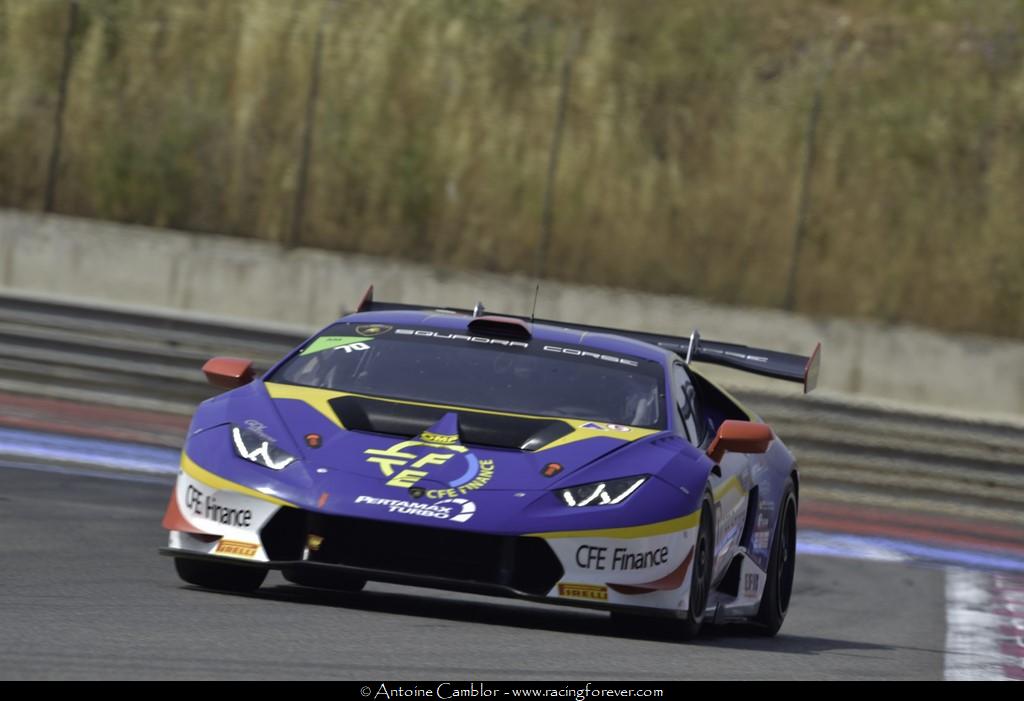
(253, 447)
(600, 493)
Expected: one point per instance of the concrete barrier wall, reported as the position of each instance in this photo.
(229, 277)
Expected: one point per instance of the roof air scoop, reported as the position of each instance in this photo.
(366, 303)
(501, 327)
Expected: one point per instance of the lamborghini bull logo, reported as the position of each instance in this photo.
(431, 470)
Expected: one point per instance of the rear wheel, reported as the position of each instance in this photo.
(217, 575)
(324, 579)
(781, 566)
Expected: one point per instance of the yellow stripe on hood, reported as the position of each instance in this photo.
(319, 399)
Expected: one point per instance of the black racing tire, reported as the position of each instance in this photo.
(218, 575)
(689, 625)
(322, 579)
(781, 567)
(702, 567)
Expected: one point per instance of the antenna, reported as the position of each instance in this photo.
(693, 345)
(536, 294)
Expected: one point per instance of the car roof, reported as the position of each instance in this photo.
(454, 321)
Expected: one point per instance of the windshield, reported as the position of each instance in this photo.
(520, 377)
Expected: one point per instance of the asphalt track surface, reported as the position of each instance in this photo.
(84, 594)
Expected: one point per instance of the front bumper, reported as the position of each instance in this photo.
(640, 568)
(421, 580)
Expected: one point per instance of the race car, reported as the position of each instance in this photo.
(496, 454)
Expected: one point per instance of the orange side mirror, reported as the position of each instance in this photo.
(228, 373)
(739, 437)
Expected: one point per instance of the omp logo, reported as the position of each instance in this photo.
(237, 548)
(457, 510)
(584, 591)
(409, 462)
(438, 438)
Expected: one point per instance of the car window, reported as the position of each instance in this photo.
(524, 377)
(687, 405)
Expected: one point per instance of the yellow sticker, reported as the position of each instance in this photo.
(584, 591)
(237, 548)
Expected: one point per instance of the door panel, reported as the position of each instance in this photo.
(731, 492)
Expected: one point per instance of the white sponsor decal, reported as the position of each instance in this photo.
(734, 354)
(206, 506)
(219, 511)
(616, 559)
(606, 427)
(590, 354)
(236, 517)
(599, 560)
(462, 337)
(458, 510)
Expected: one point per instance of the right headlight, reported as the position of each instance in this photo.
(601, 493)
(253, 447)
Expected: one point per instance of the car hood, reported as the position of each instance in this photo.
(361, 472)
(439, 451)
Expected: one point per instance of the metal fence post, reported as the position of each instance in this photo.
(294, 235)
(800, 226)
(58, 119)
(547, 214)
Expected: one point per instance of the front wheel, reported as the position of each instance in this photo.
(217, 575)
(701, 566)
(781, 566)
(688, 626)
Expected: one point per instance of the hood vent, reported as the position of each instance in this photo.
(410, 420)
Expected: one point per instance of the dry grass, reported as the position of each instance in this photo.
(680, 167)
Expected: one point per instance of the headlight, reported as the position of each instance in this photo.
(601, 493)
(255, 448)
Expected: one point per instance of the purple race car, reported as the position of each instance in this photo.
(500, 455)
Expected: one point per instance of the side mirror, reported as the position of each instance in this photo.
(228, 373)
(739, 437)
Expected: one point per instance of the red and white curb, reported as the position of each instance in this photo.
(984, 626)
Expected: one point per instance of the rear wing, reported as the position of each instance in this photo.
(780, 366)
(774, 364)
